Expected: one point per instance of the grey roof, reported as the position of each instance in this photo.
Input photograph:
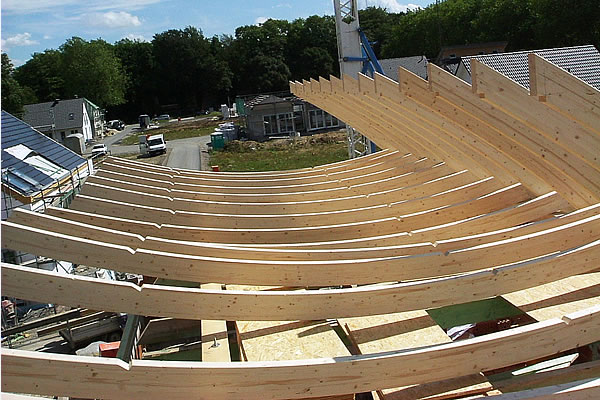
(269, 99)
(24, 178)
(581, 61)
(415, 64)
(40, 115)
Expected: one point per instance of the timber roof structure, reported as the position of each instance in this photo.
(484, 190)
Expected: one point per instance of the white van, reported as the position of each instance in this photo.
(152, 144)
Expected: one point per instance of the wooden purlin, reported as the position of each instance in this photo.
(542, 208)
(358, 251)
(57, 374)
(22, 282)
(583, 230)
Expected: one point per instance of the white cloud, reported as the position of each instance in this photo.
(135, 36)
(42, 6)
(261, 20)
(113, 19)
(47, 37)
(20, 39)
(390, 5)
(282, 5)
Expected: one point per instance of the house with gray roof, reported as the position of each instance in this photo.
(415, 64)
(270, 116)
(60, 119)
(36, 170)
(581, 61)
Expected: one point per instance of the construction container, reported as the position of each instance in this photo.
(217, 140)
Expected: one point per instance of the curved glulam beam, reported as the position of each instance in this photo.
(75, 376)
(539, 209)
(358, 251)
(186, 303)
(538, 146)
(299, 273)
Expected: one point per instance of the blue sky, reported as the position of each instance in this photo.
(30, 26)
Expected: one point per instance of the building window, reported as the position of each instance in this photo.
(278, 124)
(319, 119)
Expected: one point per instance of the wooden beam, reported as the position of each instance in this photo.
(299, 273)
(75, 376)
(165, 301)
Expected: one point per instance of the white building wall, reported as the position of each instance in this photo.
(87, 125)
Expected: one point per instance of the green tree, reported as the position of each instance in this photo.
(137, 61)
(91, 70)
(561, 23)
(189, 72)
(258, 57)
(312, 48)
(13, 95)
(43, 74)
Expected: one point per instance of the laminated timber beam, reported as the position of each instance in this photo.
(31, 284)
(230, 178)
(583, 230)
(62, 375)
(441, 192)
(538, 209)
(509, 121)
(410, 198)
(416, 247)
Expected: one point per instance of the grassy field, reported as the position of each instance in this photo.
(282, 154)
(172, 135)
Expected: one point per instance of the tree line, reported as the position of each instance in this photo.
(185, 71)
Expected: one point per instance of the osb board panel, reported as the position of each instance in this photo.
(284, 340)
(553, 300)
(397, 331)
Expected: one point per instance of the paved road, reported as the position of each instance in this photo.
(188, 153)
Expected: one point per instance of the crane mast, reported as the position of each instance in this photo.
(355, 55)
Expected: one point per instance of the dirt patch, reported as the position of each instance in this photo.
(247, 146)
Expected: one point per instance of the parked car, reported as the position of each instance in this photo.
(116, 124)
(99, 150)
(163, 117)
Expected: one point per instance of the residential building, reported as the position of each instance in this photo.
(60, 118)
(270, 116)
(37, 172)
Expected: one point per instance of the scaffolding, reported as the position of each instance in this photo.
(56, 194)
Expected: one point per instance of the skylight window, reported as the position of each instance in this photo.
(37, 161)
